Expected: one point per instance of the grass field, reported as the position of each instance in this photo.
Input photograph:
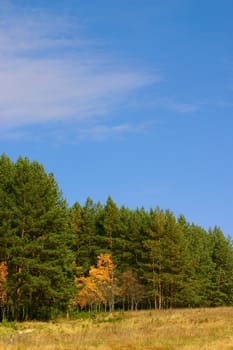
(192, 329)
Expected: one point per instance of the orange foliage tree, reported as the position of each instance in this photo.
(3, 294)
(88, 294)
(99, 288)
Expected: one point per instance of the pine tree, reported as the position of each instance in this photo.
(154, 268)
(201, 267)
(122, 250)
(7, 204)
(168, 259)
(222, 256)
(85, 238)
(76, 224)
(110, 224)
(39, 259)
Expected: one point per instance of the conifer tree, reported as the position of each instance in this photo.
(201, 267)
(168, 258)
(7, 203)
(110, 224)
(222, 256)
(85, 239)
(39, 261)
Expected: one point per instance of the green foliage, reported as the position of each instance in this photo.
(110, 319)
(161, 261)
(10, 325)
(39, 261)
(222, 278)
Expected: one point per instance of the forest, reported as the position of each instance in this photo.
(57, 259)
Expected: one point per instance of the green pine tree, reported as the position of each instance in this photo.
(39, 259)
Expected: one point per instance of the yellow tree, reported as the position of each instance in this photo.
(105, 280)
(99, 287)
(89, 295)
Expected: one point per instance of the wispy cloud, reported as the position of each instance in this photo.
(176, 106)
(183, 108)
(170, 104)
(102, 132)
(49, 73)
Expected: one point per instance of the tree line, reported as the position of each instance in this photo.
(55, 258)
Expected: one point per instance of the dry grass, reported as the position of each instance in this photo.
(207, 329)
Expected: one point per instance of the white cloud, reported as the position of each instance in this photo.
(46, 90)
(48, 73)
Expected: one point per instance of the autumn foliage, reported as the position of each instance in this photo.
(131, 289)
(50, 255)
(99, 288)
(3, 276)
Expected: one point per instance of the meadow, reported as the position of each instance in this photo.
(186, 329)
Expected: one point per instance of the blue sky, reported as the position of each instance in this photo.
(126, 98)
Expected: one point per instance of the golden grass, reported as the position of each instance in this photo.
(206, 329)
